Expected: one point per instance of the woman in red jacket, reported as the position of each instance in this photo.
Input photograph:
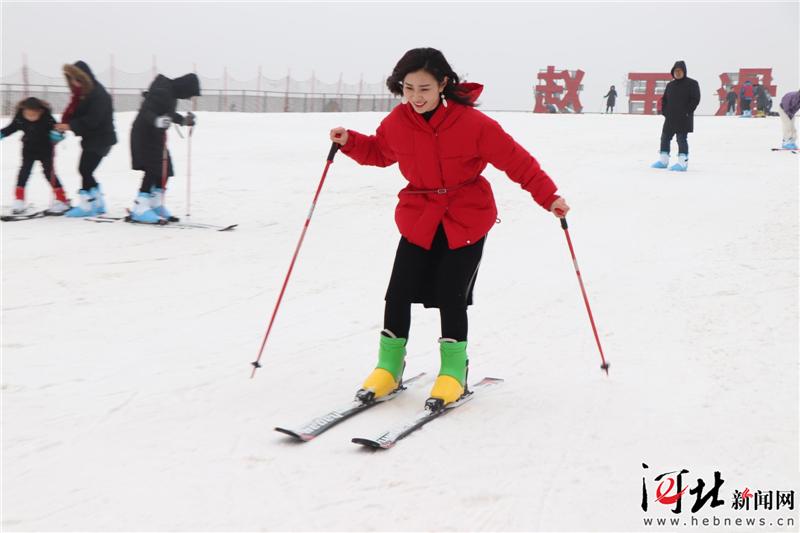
(441, 144)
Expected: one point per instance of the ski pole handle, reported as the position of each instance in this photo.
(564, 222)
(334, 149)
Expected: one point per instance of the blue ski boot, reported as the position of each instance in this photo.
(85, 207)
(663, 161)
(158, 206)
(789, 145)
(682, 165)
(99, 200)
(143, 211)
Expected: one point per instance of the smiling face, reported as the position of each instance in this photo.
(422, 90)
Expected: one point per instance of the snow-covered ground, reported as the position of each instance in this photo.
(126, 398)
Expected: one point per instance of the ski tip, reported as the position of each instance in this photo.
(302, 437)
(369, 443)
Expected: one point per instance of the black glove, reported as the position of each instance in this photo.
(190, 120)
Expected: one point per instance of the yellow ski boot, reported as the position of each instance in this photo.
(451, 382)
(389, 371)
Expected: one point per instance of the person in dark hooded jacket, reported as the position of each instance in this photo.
(762, 99)
(149, 142)
(731, 99)
(681, 97)
(611, 99)
(90, 115)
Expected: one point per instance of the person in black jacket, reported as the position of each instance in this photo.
(731, 99)
(611, 96)
(680, 99)
(89, 115)
(762, 97)
(35, 119)
(149, 143)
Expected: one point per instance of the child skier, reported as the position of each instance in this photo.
(611, 99)
(788, 108)
(681, 97)
(35, 119)
(90, 115)
(148, 143)
(442, 144)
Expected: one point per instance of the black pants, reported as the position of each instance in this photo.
(154, 177)
(397, 319)
(439, 277)
(27, 166)
(89, 162)
(746, 103)
(609, 108)
(666, 138)
(731, 106)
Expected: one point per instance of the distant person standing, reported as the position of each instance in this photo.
(611, 99)
(746, 99)
(787, 110)
(731, 99)
(762, 98)
(90, 115)
(681, 97)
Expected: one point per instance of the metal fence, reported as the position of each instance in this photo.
(256, 95)
(212, 100)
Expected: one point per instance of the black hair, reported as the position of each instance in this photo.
(434, 63)
(34, 104)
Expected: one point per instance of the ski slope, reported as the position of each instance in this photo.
(126, 398)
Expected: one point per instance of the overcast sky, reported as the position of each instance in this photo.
(501, 45)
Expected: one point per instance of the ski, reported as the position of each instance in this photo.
(29, 216)
(198, 225)
(319, 425)
(167, 224)
(389, 438)
(793, 150)
(22, 216)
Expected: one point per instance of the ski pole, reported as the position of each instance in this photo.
(189, 173)
(164, 171)
(53, 173)
(256, 364)
(604, 364)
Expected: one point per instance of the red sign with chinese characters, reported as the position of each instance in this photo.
(645, 90)
(754, 76)
(559, 89)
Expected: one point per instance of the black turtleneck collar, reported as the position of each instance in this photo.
(428, 114)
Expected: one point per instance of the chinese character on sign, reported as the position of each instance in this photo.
(645, 90)
(736, 80)
(558, 91)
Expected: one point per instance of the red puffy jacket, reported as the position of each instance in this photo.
(442, 160)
